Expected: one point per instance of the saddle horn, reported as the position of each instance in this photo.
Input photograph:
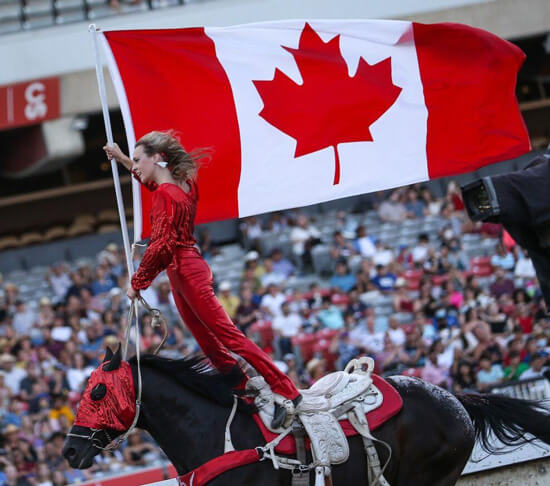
(114, 363)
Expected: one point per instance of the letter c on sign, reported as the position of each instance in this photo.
(35, 97)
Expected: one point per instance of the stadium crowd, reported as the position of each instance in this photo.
(461, 323)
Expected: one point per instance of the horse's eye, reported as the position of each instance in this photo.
(98, 392)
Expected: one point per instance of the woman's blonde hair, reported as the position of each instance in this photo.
(183, 165)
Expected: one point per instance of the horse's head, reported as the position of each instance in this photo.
(106, 410)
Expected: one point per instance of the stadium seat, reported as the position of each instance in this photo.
(9, 242)
(303, 344)
(77, 229)
(326, 333)
(55, 233)
(30, 238)
(262, 333)
(108, 216)
(437, 280)
(108, 228)
(323, 348)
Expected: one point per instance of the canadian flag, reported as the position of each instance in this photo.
(298, 112)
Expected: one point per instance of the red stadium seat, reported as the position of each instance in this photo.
(263, 332)
(304, 344)
(322, 347)
(437, 280)
(413, 278)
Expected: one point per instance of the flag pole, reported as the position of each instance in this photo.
(109, 132)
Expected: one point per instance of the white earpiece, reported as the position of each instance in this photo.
(162, 163)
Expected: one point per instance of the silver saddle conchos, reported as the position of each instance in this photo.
(326, 402)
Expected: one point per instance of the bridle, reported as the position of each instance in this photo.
(96, 441)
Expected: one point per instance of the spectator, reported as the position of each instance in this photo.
(272, 301)
(286, 325)
(433, 372)
(341, 249)
(316, 369)
(524, 267)
(58, 277)
(78, 373)
(420, 251)
(12, 374)
(138, 452)
(364, 244)
(516, 367)
(304, 236)
(23, 319)
(365, 337)
(252, 232)
(392, 210)
(281, 265)
(252, 261)
(501, 285)
(395, 332)
(503, 259)
(247, 312)
(383, 254)
(489, 373)
(537, 368)
(384, 279)
(342, 279)
(330, 315)
(229, 301)
(271, 276)
(415, 206)
(433, 206)
(103, 282)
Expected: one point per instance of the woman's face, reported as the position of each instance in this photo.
(143, 165)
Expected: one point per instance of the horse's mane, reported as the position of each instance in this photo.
(198, 375)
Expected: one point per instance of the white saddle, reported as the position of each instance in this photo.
(323, 405)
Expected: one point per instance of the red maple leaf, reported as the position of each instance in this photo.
(329, 107)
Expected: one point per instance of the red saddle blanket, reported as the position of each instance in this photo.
(391, 405)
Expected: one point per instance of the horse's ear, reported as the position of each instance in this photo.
(108, 355)
(114, 363)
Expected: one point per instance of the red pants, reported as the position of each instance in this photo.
(212, 327)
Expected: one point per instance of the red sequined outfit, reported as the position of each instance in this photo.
(172, 248)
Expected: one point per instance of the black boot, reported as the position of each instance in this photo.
(280, 413)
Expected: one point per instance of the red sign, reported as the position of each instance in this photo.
(29, 103)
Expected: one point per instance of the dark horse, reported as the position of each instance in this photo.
(185, 408)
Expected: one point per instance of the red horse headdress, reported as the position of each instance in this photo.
(109, 400)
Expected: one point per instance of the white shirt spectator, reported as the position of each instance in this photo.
(366, 247)
(524, 268)
(23, 320)
(76, 377)
(288, 325)
(420, 253)
(60, 284)
(13, 379)
(371, 341)
(531, 373)
(383, 256)
(397, 336)
(273, 303)
(300, 235)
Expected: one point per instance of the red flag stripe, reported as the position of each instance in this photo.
(159, 102)
(463, 67)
